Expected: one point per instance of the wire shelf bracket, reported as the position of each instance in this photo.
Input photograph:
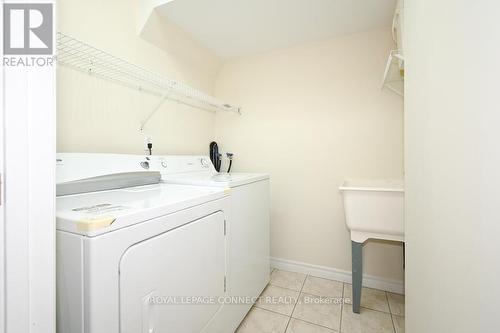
(394, 73)
(86, 58)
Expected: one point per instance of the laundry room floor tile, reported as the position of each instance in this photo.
(299, 326)
(310, 304)
(322, 287)
(289, 280)
(373, 299)
(263, 321)
(396, 304)
(399, 323)
(368, 321)
(323, 311)
(277, 299)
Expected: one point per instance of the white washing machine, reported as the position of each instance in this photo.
(249, 267)
(131, 250)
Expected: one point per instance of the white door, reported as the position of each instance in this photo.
(2, 219)
(27, 150)
(189, 261)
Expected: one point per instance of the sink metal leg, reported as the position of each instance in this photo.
(357, 274)
(404, 256)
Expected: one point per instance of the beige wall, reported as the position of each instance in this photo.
(312, 116)
(94, 115)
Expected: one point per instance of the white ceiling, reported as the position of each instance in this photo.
(233, 28)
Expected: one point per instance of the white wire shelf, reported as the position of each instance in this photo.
(81, 56)
(394, 73)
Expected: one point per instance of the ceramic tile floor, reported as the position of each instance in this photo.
(299, 303)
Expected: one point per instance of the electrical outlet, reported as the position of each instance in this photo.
(148, 139)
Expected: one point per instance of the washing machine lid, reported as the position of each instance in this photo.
(215, 179)
(95, 213)
(198, 170)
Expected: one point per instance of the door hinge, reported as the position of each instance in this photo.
(225, 284)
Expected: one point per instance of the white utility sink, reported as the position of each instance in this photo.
(374, 209)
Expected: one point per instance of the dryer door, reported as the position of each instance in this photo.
(159, 274)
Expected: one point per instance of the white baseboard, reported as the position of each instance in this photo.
(370, 281)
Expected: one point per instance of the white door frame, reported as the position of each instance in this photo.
(2, 217)
(28, 219)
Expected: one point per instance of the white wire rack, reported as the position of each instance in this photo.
(394, 73)
(81, 56)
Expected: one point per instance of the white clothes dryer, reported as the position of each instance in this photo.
(132, 252)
